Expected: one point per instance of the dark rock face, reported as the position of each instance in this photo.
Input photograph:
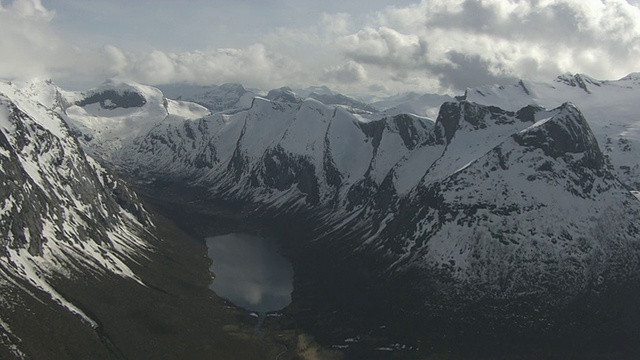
(19, 218)
(111, 99)
(527, 113)
(448, 119)
(281, 171)
(62, 170)
(578, 80)
(569, 135)
(407, 131)
(453, 114)
(374, 131)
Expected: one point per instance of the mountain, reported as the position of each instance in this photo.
(62, 214)
(324, 95)
(118, 112)
(500, 202)
(225, 97)
(413, 103)
(86, 271)
(504, 215)
(609, 107)
(231, 98)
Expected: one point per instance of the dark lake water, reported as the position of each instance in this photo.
(250, 272)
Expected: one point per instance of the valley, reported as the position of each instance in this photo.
(346, 306)
(496, 232)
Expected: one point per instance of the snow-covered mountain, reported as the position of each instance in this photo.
(610, 107)
(62, 214)
(533, 210)
(512, 194)
(225, 97)
(117, 112)
(526, 193)
(231, 98)
(413, 103)
(350, 104)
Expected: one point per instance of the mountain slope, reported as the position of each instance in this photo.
(226, 97)
(84, 272)
(118, 111)
(62, 213)
(503, 207)
(610, 107)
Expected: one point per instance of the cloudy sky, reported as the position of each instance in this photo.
(357, 46)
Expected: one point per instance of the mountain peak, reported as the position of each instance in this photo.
(634, 76)
(566, 132)
(579, 80)
(284, 94)
(119, 93)
(454, 116)
(234, 87)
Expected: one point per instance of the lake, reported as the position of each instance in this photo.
(249, 272)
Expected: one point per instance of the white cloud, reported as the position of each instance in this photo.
(31, 48)
(432, 45)
(348, 73)
(468, 42)
(384, 47)
(26, 43)
(28, 9)
(253, 66)
(336, 23)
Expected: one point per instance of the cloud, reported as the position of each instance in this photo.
(384, 47)
(468, 71)
(30, 47)
(335, 23)
(348, 73)
(430, 46)
(28, 9)
(468, 42)
(26, 42)
(253, 66)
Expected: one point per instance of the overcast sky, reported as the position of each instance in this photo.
(355, 46)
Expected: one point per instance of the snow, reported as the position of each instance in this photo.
(27, 266)
(186, 110)
(412, 103)
(110, 130)
(12, 346)
(349, 147)
(611, 109)
(54, 162)
(45, 117)
(4, 114)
